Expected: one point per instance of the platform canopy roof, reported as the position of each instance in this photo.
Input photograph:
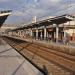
(3, 16)
(56, 20)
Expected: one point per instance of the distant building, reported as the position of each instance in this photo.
(34, 19)
(3, 29)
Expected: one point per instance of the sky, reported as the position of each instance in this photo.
(24, 10)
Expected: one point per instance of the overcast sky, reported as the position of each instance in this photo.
(24, 10)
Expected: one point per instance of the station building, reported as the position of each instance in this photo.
(56, 29)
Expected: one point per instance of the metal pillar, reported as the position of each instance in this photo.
(31, 33)
(37, 33)
(45, 33)
(54, 36)
(41, 35)
(57, 33)
(64, 40)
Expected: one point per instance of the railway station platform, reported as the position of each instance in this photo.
(70, 45)
(12, 63)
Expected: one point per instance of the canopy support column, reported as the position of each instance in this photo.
(31, 33)
(41, 35)
(64, 37)
(57, 33)
(37, 33)
(45, 33)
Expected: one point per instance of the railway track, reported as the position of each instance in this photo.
(55, 62)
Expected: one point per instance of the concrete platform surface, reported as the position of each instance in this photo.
(12, 63)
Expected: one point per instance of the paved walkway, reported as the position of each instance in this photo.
(12, 63)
